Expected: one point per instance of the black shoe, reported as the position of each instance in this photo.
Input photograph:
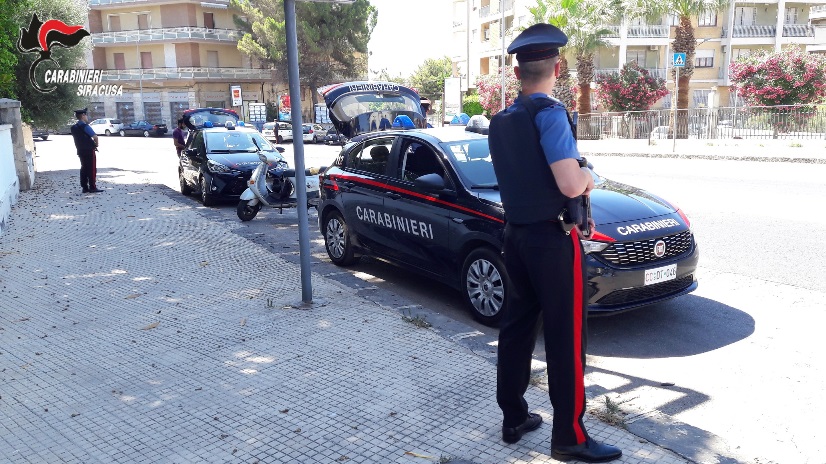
(590, 451)
(85, 190)
(95, 190)
(514, 434)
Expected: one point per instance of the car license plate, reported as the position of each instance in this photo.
(660, 274)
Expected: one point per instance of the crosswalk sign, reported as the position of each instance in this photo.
(679, 60)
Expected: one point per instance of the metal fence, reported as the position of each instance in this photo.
(748, 122)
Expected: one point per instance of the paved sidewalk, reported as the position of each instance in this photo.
(134, 330)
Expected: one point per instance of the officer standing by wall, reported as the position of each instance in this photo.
(86, 143)
(539, 170)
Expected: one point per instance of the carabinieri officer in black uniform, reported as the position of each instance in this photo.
(86, 143)
(539, 170)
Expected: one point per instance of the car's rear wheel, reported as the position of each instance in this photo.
(484, 285)
(146, 133)
(337, 240)
(122, 133)
(279, 139)
(44, 137)
(108, 132)
(206, 198)
(247, 212)
(185, 188)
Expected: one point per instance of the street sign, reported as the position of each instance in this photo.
(679, 60)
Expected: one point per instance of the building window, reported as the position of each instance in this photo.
(215, 104)
(708, 18)
(114, 23)
(791, 15)
(745, 16)
(700, 98)
(635, 55)
(638, 21)
(143, 21)
(673, 20)
(737, 53)
(96, 110)
(176, 110)
(209, 20)
(704, 58)
(146, 60)
(212, 58)
(120, 61)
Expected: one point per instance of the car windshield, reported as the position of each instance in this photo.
(235, 141)
(269, 126)
(474, 165)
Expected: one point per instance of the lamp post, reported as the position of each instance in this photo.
(298, 146)
(502, 61)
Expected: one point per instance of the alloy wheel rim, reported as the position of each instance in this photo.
(485, 287)
(335, 238)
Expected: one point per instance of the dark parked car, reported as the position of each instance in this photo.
(143, 128)
(334, 137)
(220, 155)
(428, 200)
(38, 133)
(66, 129)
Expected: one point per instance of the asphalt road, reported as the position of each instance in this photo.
(737, 363)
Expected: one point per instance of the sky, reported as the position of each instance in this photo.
(408, 32)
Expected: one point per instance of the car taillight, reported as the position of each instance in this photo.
(311, 131)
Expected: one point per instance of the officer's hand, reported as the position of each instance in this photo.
(591, 229)
(590, 185)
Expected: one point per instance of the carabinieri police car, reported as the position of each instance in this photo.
(428, 200)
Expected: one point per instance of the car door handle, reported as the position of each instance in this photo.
(392, 195)
(457, 220)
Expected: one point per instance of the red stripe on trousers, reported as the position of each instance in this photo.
(579, 380)
(93, 177)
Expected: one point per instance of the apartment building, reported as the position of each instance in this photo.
(169, 56)
(721, 36)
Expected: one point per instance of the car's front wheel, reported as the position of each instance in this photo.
(279, 139)
(146, 133)
(484, 285)
(108, 132)
(337, 240)
(185, 188)
(247, 212)
(122, 133)
(206, 198)
(44, 137)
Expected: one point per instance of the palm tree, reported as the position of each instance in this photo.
(684, 41)
(583, 21)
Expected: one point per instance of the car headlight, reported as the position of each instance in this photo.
(215, 166)
(591, 246)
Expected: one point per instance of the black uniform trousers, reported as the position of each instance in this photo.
(546, 273)
(88, 168)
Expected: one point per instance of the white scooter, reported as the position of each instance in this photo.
(273, 184)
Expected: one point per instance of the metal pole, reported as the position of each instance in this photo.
(298, 150)
(676, 97)
(502, 63)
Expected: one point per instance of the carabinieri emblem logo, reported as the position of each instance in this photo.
(42, 38)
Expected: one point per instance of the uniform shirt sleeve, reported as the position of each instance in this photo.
(88, 130)
(555, 134)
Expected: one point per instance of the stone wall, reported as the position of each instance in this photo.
(9, 187)
(17, 160)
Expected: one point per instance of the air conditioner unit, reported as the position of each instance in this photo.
(653, 48)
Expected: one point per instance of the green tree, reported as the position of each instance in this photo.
(332, 38)
(684, 41)
(583, 22)
(50, 109)
(9, 31)
(429, 78)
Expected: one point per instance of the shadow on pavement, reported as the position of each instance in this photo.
(685, 326)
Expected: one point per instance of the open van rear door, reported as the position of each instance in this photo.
(359, 107)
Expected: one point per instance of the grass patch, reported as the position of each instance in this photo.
(610, 412)
(418, 320)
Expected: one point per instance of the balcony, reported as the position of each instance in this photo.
(751, 31)
(94, 3)
(166, 34)
(647, 31)
(614, 31)
(817, 12)
(798, 30)
(153, 74)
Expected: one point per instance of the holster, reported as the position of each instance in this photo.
(575, 214)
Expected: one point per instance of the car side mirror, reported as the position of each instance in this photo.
(432, 183)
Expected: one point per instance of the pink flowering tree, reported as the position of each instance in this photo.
(632, 89)
(781, 82)
(489, 87)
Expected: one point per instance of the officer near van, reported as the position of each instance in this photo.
(540, 175)
(86, 143)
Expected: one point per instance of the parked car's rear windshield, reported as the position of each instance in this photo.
(269, 126)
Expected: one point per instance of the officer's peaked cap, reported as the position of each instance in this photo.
(538, 42)
(81, 111)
